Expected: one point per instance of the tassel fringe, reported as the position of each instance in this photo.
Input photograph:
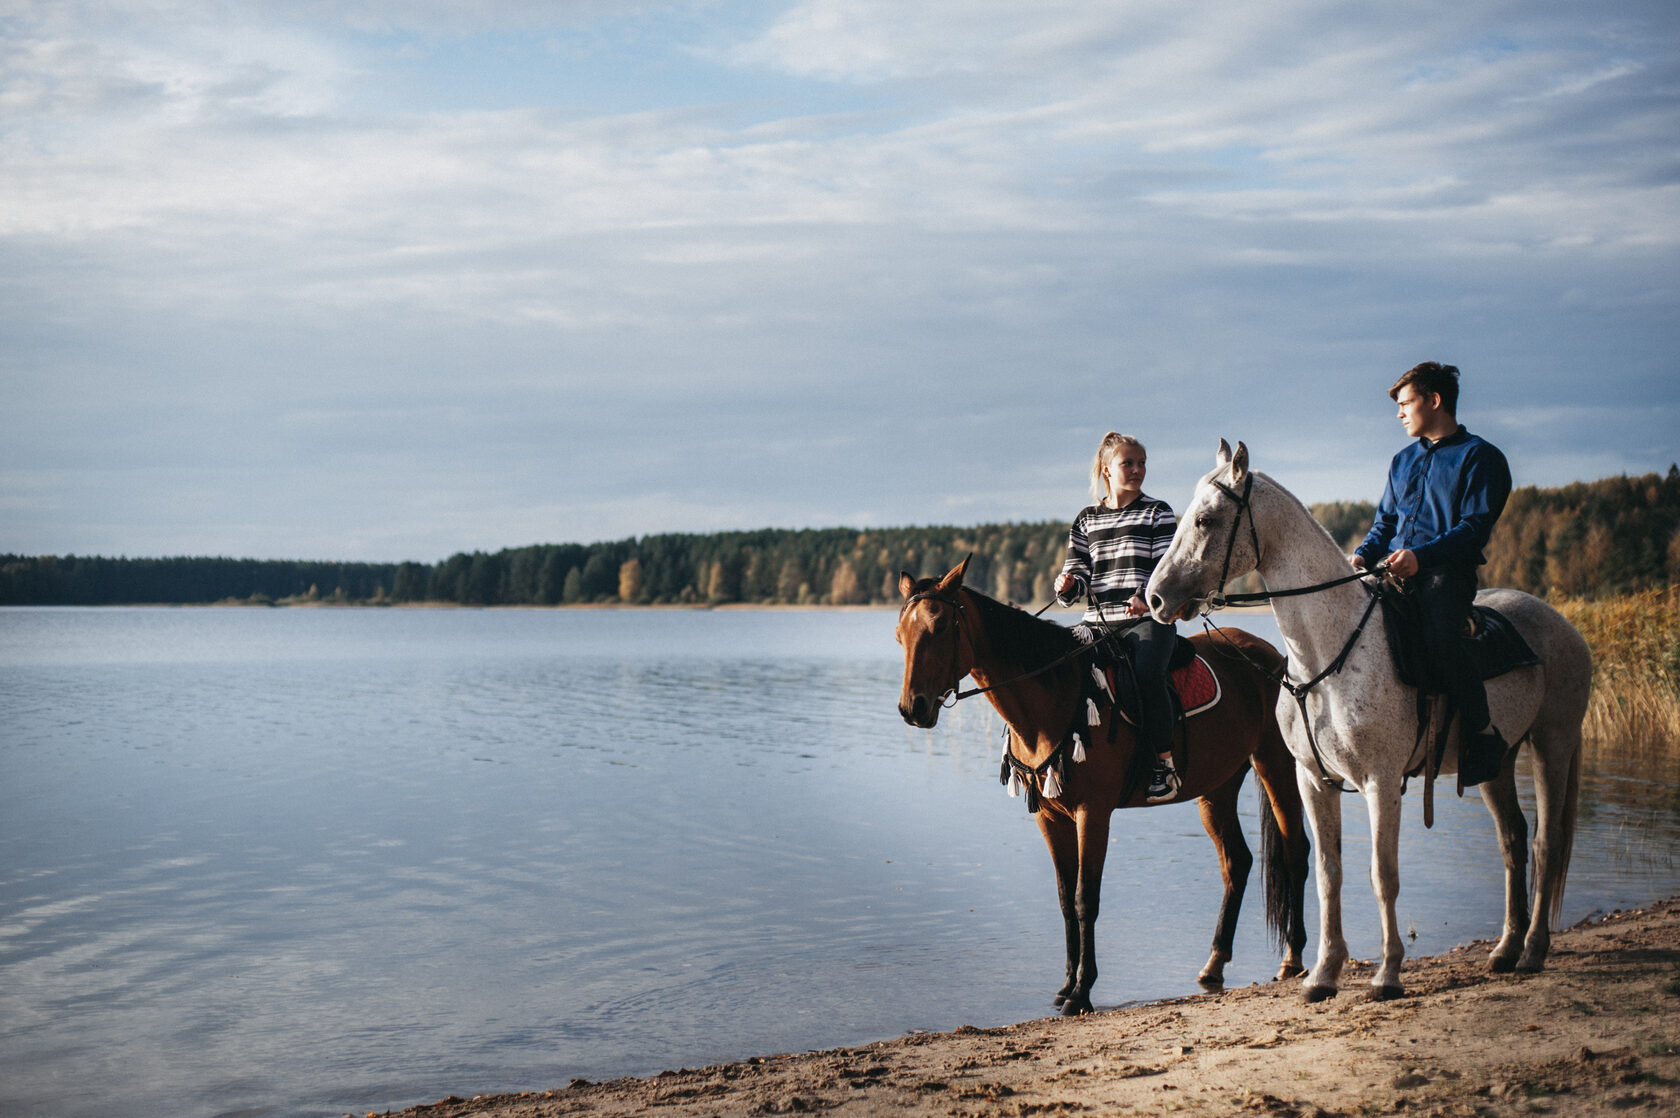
(1078, 749)
(1053, 784)
(1093, 716)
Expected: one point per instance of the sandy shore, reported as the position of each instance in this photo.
(1597, 1032)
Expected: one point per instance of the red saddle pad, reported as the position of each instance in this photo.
(1197, 686)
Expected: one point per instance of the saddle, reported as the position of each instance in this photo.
(1194, 687)
(1496, 646)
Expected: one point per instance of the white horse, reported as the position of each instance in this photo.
(1358, 724)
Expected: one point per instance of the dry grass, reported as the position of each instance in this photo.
(1635, 642)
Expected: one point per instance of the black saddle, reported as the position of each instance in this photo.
(1496, 646)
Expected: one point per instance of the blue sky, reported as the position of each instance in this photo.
(391, 280)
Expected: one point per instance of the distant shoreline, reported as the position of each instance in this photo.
(694, 607)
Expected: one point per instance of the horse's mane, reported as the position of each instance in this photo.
(1021, 640)
(1298, 503)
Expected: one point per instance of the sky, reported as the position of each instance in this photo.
(394, 279)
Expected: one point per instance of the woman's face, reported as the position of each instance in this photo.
(1124, 472)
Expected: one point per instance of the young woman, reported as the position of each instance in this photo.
(1113, 547)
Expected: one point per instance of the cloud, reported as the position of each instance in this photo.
(581, 271)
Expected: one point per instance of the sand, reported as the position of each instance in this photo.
(1597, 1032)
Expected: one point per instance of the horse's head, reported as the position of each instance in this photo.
(935, 655)
(1211, 546)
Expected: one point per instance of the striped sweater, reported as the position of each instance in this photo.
(1112, 552)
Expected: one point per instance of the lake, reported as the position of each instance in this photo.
(318, 861)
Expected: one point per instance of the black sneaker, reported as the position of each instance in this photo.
(1164, 785)
(1480, 757)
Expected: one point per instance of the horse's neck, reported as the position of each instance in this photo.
(1036, 709)
(1316, 626)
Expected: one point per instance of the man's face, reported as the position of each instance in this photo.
(1418, 412)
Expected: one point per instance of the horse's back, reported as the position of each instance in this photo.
(1567, 663)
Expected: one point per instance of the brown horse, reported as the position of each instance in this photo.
(1034, 673)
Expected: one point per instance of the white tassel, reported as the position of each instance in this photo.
(1092, 715)
(1052, 785)
(1102, 681)
(1014, 784)
(1078, 749)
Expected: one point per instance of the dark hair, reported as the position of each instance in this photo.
(1431, 376)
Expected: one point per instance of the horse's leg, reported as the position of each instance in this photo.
(1093, 849)
(1557, 783)
(1324, 813)
(1063, 841)
(1500, 796)
(1219, 819)
(1286, 908)
(1382, 800)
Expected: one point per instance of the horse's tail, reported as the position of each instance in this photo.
(1274, 872)
(1558, 869)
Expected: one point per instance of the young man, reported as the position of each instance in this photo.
(1444, 493)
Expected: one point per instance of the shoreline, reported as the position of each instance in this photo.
(1598, 1031)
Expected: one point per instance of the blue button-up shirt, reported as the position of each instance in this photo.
(1441, 500)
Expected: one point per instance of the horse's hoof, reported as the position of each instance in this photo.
(1526, 966)
(1211, 985)
(1076, 1007)
(1287, 971)
(1502, 964)
(1386, 993)
(1059, 1000)
(1315, 994)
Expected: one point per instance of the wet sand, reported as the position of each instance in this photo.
(1597, 1032)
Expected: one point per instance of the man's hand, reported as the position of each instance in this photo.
(1358, 561)
(1136, 607)
(1402, 563)
(1064, 583)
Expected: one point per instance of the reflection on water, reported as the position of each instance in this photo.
(309, 862)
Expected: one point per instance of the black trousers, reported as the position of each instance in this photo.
(1151, 646)
(1444, 596)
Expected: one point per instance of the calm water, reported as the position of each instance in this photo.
(302, 862)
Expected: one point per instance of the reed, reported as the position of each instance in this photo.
(1635, 640)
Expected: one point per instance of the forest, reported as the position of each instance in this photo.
(1588, 540)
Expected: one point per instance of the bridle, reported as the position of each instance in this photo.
(950, 697)
(1219, 600)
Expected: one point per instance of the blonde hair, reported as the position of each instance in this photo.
(1110, 446)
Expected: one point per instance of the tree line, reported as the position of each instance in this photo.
(1586, 540)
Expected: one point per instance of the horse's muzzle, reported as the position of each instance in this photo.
(920, 711)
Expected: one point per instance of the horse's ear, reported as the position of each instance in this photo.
(954, 579)
(1239, 464)
(1224, 456)
(906, 584)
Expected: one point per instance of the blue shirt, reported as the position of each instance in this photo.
(1441, 500)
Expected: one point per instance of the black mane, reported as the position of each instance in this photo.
(1024, 642)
